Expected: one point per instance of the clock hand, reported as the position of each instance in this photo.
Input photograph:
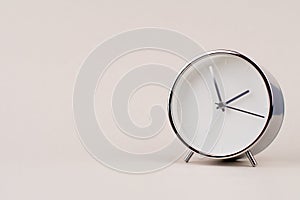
(244, 111)
(232, 99)
(216, 85)
(237, 97)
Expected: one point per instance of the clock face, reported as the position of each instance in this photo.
(220, 104)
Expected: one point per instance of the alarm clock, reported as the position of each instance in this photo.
(224, 106)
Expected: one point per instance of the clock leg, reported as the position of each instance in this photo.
(251, 158)
(188, 157)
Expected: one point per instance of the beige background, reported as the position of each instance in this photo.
(42, 44)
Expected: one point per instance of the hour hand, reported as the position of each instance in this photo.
(221, 104)
(237, 97)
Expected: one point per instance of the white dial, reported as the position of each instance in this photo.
(220, 104)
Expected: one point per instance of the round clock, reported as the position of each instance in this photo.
(223, 105)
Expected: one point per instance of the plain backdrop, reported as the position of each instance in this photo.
(42, 45)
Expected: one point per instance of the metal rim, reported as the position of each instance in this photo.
(267, 84)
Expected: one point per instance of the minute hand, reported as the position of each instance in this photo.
(244, 111)
(215, 83)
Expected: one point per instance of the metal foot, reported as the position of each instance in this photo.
(251, 158)
(188, 157)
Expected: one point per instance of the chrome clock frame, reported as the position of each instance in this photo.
(272, 125)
